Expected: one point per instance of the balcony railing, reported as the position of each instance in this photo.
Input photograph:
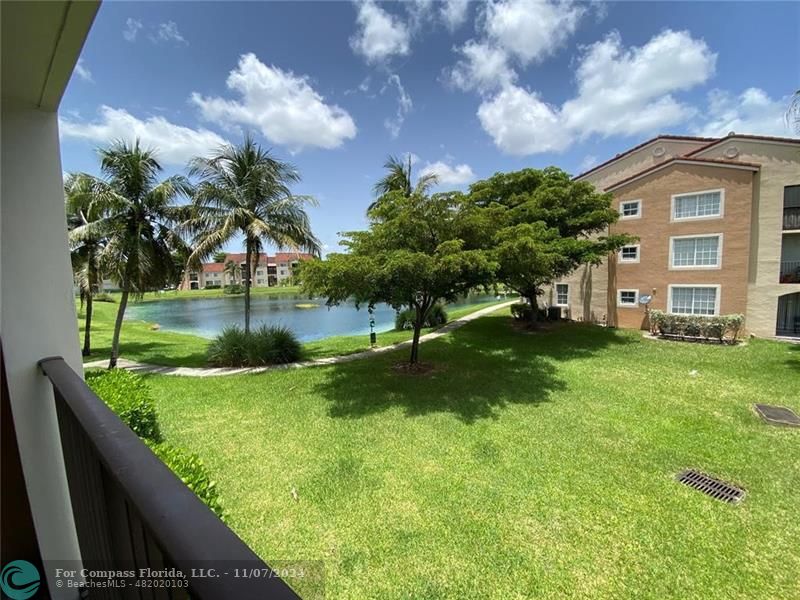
(132, 512)
(791, 218)
(790, 271)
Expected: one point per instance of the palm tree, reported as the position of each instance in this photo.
(232, 270)
(244, 190)
(398, 179)
(84, 206)
(139, 224)
(793, 113)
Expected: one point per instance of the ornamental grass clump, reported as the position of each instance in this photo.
(266, 345)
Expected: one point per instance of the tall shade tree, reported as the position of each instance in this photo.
(416, 252)
(139, 224)
(398, 179)
(84, 206)
(244, 190)
(547, 226)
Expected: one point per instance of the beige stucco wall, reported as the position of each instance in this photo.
(640, 160)
(780, 166)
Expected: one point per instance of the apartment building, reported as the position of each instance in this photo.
(269, 271)
(718, 222)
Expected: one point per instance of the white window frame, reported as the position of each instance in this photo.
(638, 215)
(622, 304)
(630, 260)
(674, 219)
(555, 294)
(671, 256)
(717, 297)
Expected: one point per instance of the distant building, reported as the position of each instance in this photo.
(718, 222)
(267, 271)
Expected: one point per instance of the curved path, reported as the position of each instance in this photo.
(333, 360)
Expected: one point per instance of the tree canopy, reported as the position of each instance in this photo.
(415, 253)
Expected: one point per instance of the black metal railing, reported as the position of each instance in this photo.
(131, 511)
(791, 218)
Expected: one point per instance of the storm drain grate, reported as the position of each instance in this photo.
(715, 488)
(778, 415)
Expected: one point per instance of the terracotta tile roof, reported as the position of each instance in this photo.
(732, 136)
(290, 256)
(684, 159)
(213, 267)
(687, 138)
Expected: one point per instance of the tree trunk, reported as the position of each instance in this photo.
(534, 307)
(123, 303)
(87, 329)
(415, 342)
(248, 249)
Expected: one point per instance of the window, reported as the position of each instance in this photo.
(260, 281)
(696, 252)
(699, 205)
(630, 209)
(693, 300)
(562, 294)
(629, 254)
(628, 298)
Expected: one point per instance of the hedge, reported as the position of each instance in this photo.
(721, 328)
(128, 395)
(436, 316)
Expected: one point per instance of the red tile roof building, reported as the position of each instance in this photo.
(267, 271)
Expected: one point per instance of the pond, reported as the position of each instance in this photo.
(309, 319)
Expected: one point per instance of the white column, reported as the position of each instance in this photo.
(37, 316)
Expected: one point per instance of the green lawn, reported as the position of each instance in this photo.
(525, 465)
(141, 343)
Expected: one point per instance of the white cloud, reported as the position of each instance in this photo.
(132, 27)
(483, 68)
(449, 174)
(282, 105)
(454, 13)
(752, 111)
(82, 71)
(380, 35)
(175, 144)
(404, 106)
(531, 30)
(629, 90)
(168, 32)
(520, 123)
(620, 91)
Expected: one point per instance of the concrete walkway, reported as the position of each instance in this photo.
(137, 367)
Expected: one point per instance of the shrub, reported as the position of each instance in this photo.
(266, 345)
(104, 297)
(436, 316)
(522, 311)
(191, 470)
(129, 397)
(718, 327)
(234, 288)
(213, 286)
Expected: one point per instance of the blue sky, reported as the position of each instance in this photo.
(468, 88)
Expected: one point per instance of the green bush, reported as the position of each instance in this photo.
(191, 470)
(129, 397)
(719, 327)
(234, 288)
(437, 316)
(213, 286)
(267, 345)
(104, 297)
(522, 311)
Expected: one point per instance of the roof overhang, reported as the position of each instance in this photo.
(759, 139)
(41, 43)
(684, 161)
